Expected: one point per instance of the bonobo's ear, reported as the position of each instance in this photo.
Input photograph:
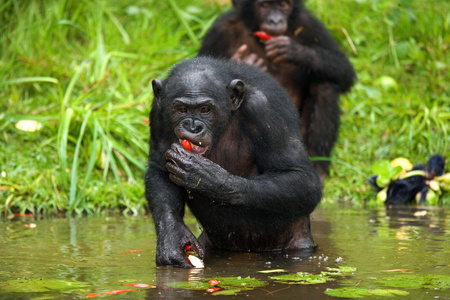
(157, 88)
(237, 88)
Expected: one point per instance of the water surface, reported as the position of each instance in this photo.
(70, 258)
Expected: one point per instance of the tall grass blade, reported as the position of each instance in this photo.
(29, 80)
(182, 20)
(63, 135)
(74, 174)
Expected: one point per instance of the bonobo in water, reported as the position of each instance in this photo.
(247, 179)
(300, 53)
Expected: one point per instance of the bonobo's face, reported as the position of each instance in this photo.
(193, 117)
(198, 104)
(273, 15)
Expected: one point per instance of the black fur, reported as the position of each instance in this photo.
(255, 187)
(314, 71)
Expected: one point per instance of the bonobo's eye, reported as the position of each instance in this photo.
(205, 110)
(264, 4)
(283, 4)
(182, 110)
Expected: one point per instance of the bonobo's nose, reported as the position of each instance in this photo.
(193, 126)
(276, 20)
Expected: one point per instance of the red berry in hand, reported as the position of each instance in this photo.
(187, 145)
(262, 35)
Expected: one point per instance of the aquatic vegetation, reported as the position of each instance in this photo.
(25, 285)
(417, 281)
(302, 278)
(221, 285)
(360, 292)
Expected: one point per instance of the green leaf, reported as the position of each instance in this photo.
(40, 285)
(388, 293)
(384, 171)
(417, 281)
(302, 278)
(360, 292)
(382, 168)
(347, 292)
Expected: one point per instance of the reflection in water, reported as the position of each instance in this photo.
(100, 252)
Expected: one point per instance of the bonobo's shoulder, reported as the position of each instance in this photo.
(229, 21)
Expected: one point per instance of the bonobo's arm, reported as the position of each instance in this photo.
(313, 48)
(296, 189)
(167, 206)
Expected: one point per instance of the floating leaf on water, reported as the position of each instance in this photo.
(230, 292)
(302, 278)
(417, 281)
(398, 270)
(40, 285)
(228, 285)
(189, 285)
(361, 293)
(388, 293)
(347, 292)
(342, 269)
(28, 125)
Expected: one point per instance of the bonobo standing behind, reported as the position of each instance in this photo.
(299, 52)
(247, 177)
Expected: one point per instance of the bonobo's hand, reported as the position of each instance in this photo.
(197, 173)
(284, 49)
(250, 59)
(170, 248)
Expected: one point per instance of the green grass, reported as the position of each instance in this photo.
(84, 69)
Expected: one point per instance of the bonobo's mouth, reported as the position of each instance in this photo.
(274, 30)
(193, 147)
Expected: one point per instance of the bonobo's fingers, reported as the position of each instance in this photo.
(251, 59)
(278, 46)
(197, 247)
(260, 64)
(237, 56)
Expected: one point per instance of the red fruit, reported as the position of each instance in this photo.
(262, 35)
(92, 295)
(188, 247)
(212, 290)
(118, 292)
(131, 251)
(187, 145)
(214, 282)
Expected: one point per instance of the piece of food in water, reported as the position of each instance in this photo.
(214, 282)
(195, 261)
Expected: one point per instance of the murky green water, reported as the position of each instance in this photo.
(71, 258)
